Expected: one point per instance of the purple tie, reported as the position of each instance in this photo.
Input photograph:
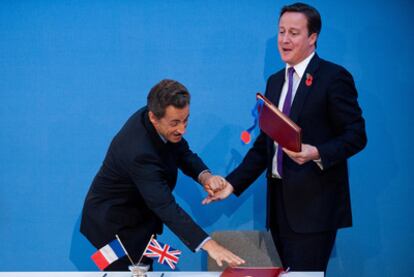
(286, 110)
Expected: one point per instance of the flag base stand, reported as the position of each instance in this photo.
(139, 270)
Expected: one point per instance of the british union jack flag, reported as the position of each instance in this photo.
(163, 252)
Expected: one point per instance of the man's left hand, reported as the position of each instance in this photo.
(308, 153)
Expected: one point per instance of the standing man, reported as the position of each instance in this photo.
(308, 192)
(132, 193)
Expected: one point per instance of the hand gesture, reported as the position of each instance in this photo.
(212, 183)
(220, 194)
(221, 254)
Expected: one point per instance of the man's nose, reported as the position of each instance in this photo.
(182, 128)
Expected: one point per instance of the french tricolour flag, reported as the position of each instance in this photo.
(108, 254)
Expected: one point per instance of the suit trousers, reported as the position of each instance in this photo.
(298, 251)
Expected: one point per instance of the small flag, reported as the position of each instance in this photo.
(108, 254)
(163, 252)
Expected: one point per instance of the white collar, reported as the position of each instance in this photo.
(301, 67)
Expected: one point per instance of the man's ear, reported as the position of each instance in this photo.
(153, 118)
(313, 38)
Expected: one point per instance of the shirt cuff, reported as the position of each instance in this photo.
(202, 243)
(201, 173)
(319, 163)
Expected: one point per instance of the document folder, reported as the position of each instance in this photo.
(252, 272)
(278, 126)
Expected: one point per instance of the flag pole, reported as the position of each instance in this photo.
(120, 242)
(152, 236)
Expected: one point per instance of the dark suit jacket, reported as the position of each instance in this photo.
(331, 119)
(131, 194)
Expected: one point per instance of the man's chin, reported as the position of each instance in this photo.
(175, 139)
(286, 58)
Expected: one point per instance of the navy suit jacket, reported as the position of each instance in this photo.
(328, 112)
(131, 195)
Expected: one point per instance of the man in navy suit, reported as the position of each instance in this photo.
(131, 195)
(308, 192)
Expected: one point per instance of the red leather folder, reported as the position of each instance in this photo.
(279, 126)
(252, 272)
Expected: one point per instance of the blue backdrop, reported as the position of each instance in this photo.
(71, 73)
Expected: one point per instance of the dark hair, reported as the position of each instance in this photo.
(312, 15)
(166, 93)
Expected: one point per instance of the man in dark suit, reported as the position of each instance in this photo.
(131, 195)
(308, 192)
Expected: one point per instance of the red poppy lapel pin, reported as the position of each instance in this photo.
(309, 79)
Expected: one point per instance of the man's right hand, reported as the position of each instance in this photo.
(221, 254)
(221, 194)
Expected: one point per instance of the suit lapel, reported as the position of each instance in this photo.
(304, 89)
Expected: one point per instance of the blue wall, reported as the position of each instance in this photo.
(71, 72)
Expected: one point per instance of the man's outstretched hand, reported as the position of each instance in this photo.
(221, 254)
(221, 194)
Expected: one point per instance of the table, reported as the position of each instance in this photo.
(128, 274)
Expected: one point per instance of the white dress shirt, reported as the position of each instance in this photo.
(297, 77)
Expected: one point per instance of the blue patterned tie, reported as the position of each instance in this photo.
(286, 110)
